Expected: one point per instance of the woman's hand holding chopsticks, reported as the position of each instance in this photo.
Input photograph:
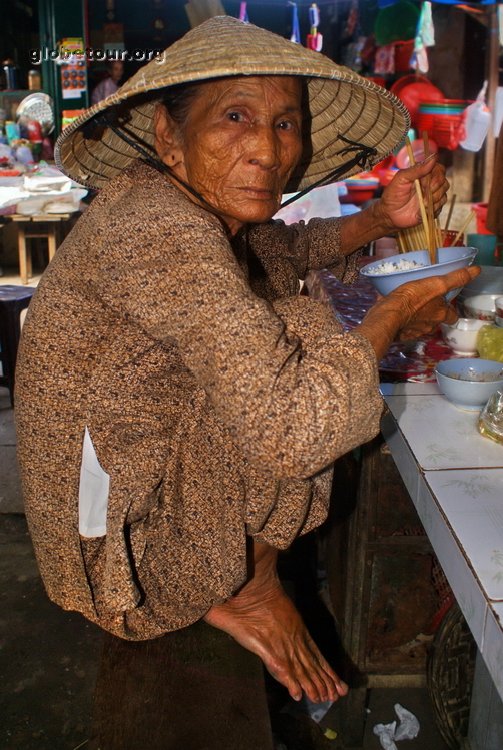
(397, 209)
(399, 205)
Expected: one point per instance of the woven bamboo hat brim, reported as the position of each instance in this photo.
(341, 103)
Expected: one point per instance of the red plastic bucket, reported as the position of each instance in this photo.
(481, 216)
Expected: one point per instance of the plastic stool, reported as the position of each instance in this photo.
(13, 299)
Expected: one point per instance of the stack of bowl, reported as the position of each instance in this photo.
(482, 307)
(442, 121)
(360, 189)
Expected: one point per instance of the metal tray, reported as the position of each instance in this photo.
(37, 106)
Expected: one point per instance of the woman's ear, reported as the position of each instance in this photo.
(167, 141)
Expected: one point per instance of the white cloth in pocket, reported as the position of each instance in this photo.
(93, 492)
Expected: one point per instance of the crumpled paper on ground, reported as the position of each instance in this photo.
(408, 729)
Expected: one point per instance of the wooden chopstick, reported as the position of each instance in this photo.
(419, 192)
(401, 243)
(449, 215)
(432, 231)
(463, 229)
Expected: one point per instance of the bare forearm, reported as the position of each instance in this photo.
(360, 228)
(381, 326)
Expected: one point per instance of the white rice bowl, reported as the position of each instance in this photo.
(388, 275)
(398, 265)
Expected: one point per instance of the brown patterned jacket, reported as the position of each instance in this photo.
(216, 399)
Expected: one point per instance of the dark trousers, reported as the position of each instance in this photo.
(193, 689)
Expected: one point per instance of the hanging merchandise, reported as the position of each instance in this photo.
(384, 61)
(476, 121)
(425, 37)
(394, 29)
(352, 54)
(314, 38)
(243, 14)
(396, 23)
(352, 20)
(295, 24)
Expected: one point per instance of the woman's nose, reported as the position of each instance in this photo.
(264, 147)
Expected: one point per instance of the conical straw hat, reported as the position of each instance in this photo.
(342, 105)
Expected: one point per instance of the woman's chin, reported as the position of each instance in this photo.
(255, 214)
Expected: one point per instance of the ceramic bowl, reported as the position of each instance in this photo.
(461, 337)
(498, 303)
(465, 382)
(450, 259)
(481, 306)
(489, 281)
(359, 190)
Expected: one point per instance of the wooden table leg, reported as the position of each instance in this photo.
(29, 270)
(51, 241)
(24, 257)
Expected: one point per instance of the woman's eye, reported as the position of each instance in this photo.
(235, 116)
(286, 125)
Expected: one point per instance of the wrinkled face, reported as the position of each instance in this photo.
(238, 146)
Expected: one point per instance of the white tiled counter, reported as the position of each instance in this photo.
(455, 479)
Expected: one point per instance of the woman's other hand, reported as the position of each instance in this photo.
(398, 207)
(414, 309)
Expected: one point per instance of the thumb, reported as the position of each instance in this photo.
(421, 169)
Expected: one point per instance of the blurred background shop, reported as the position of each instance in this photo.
(438, 57)
(378, 38)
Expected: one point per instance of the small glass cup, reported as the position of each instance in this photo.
(491, 417)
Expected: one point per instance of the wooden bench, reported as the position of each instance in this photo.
(38, 226)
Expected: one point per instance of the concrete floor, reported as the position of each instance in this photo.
(50, 657)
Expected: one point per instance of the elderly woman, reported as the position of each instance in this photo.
(179, 406)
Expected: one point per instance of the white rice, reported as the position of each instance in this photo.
(392, 267)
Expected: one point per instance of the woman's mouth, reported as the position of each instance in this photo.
(258, 192)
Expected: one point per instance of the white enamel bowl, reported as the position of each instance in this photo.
(461, 337)
(481, 306)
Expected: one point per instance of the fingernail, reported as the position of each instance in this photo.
(428, 158)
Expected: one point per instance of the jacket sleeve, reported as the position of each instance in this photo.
(294, 392)
(307, 247)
